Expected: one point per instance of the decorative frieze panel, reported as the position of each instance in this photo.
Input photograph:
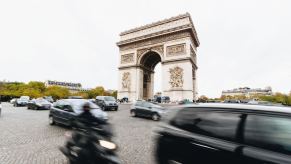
(127, 58)
(174, 50)
(159, 49)
(126, 80)
(156, 40)
(176, 77)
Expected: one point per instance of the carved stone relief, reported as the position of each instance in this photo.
(126, 81)
(159, 48)
(160, 39)
(176, 77)
(127, 58)
(174, 50)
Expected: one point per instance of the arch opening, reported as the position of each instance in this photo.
(148, 63)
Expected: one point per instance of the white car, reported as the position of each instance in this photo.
(12, 101)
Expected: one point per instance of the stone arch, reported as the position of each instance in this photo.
(150, 57)
(168, 41)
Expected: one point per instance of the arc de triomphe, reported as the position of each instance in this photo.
(173, 42)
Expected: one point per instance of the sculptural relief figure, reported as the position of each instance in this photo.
(126, 80)
(176, 77)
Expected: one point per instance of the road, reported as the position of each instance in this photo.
(27, 138)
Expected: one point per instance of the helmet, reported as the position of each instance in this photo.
(86, 106)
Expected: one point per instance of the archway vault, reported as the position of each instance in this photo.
(173, 42)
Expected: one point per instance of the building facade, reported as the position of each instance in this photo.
(72, 87)
(172, 42)
(247, 92)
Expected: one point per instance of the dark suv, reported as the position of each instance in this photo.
(226, 133)
(107, 103)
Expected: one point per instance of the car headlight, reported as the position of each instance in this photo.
(107, 144)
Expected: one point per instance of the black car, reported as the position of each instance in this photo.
(39, 103)
(107, 103)
(66, 110)
(147, 109)
(226, 133)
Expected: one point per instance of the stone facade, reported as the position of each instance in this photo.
(173, 42)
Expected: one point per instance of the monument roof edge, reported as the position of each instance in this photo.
(155, 23)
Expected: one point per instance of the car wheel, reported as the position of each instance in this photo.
(51, 120)
(155, 117)
(132, 114)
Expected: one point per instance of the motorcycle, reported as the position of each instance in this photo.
(90, 146)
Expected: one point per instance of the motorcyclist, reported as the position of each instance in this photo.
(86, 121)
(88, 118)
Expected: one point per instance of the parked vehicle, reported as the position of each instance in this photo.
(124, 100)
(22, 101)
(147, 109)
(0, 108)
(49, 99)
(12, 101)
(90, 145)
(232, 101)
(64, 111)
(39, 103)
(158, 99)
(75, 97)
(165, 99)
(185, 101)
(107, 103)
(226, 133)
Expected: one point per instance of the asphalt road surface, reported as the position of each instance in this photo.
(27, 138)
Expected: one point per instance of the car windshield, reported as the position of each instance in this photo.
(109, 98)
(78, 104)
(24, 98)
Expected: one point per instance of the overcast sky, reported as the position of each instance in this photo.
(243, 43)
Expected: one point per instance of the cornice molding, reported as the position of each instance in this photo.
(187, 26)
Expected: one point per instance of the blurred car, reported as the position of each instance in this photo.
(75, 97)
(12, 101)
(226, 133)
(64, 111)
(165, 99)
(107, 103)
(158, 99)
(22, 101)
(124, 100)
(0, 108)
(147, 109)
(49, 99)
(39, 103)
(185, 101)
(232, 101)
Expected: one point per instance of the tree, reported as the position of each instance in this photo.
(57, 92)
(114, 94)
(202, 98)
(98, 91)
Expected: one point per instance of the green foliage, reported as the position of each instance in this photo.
(278, 98)
(57, 92)
(35, 89)
(114, 94)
